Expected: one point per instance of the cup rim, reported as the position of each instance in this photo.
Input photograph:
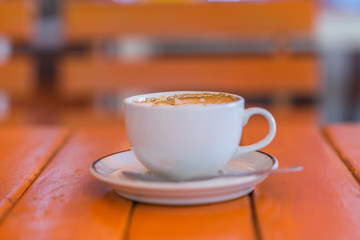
(129, 101)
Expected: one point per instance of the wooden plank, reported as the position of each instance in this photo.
(228, 220)
(251, 76)
(91, 19)
(17, 77)
(66, 202)
(345, 138)
(286, 115)
(17, 19)
(322, 202)
(25, 151)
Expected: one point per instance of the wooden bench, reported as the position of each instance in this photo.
(84, 20)
(17, 19)
(251, 76)
(281, 72)
(17, 77)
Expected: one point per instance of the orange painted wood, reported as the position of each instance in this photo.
(91, 19)
(17, 19)
(250, 76)
(66, 202)
(227, 220)
(322, 202)
(25, 151)
(17, 77)
(290, 115)
(345, 138)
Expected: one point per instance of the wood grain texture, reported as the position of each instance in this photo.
(322, 202)
(66, 202)
(24, 153)
(275, 75)
(91, 19)
(345, 138)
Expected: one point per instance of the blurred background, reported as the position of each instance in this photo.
(72, 62)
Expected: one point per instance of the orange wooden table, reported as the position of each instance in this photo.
(47, 192)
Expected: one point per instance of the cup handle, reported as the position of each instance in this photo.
(265, 141)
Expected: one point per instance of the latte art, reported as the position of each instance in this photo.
(189, 98)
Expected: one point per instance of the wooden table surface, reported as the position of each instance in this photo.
(47, 192)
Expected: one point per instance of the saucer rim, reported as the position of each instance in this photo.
(189, 185)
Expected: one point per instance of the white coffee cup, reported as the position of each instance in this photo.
(192, 140)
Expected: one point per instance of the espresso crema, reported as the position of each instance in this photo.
(189, 98)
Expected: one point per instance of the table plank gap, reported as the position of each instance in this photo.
(328, 136)
(128, 222)
(254, 217)
(13, 198)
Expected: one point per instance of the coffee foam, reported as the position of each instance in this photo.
(188, 98)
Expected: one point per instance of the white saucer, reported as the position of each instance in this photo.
(108, 170)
